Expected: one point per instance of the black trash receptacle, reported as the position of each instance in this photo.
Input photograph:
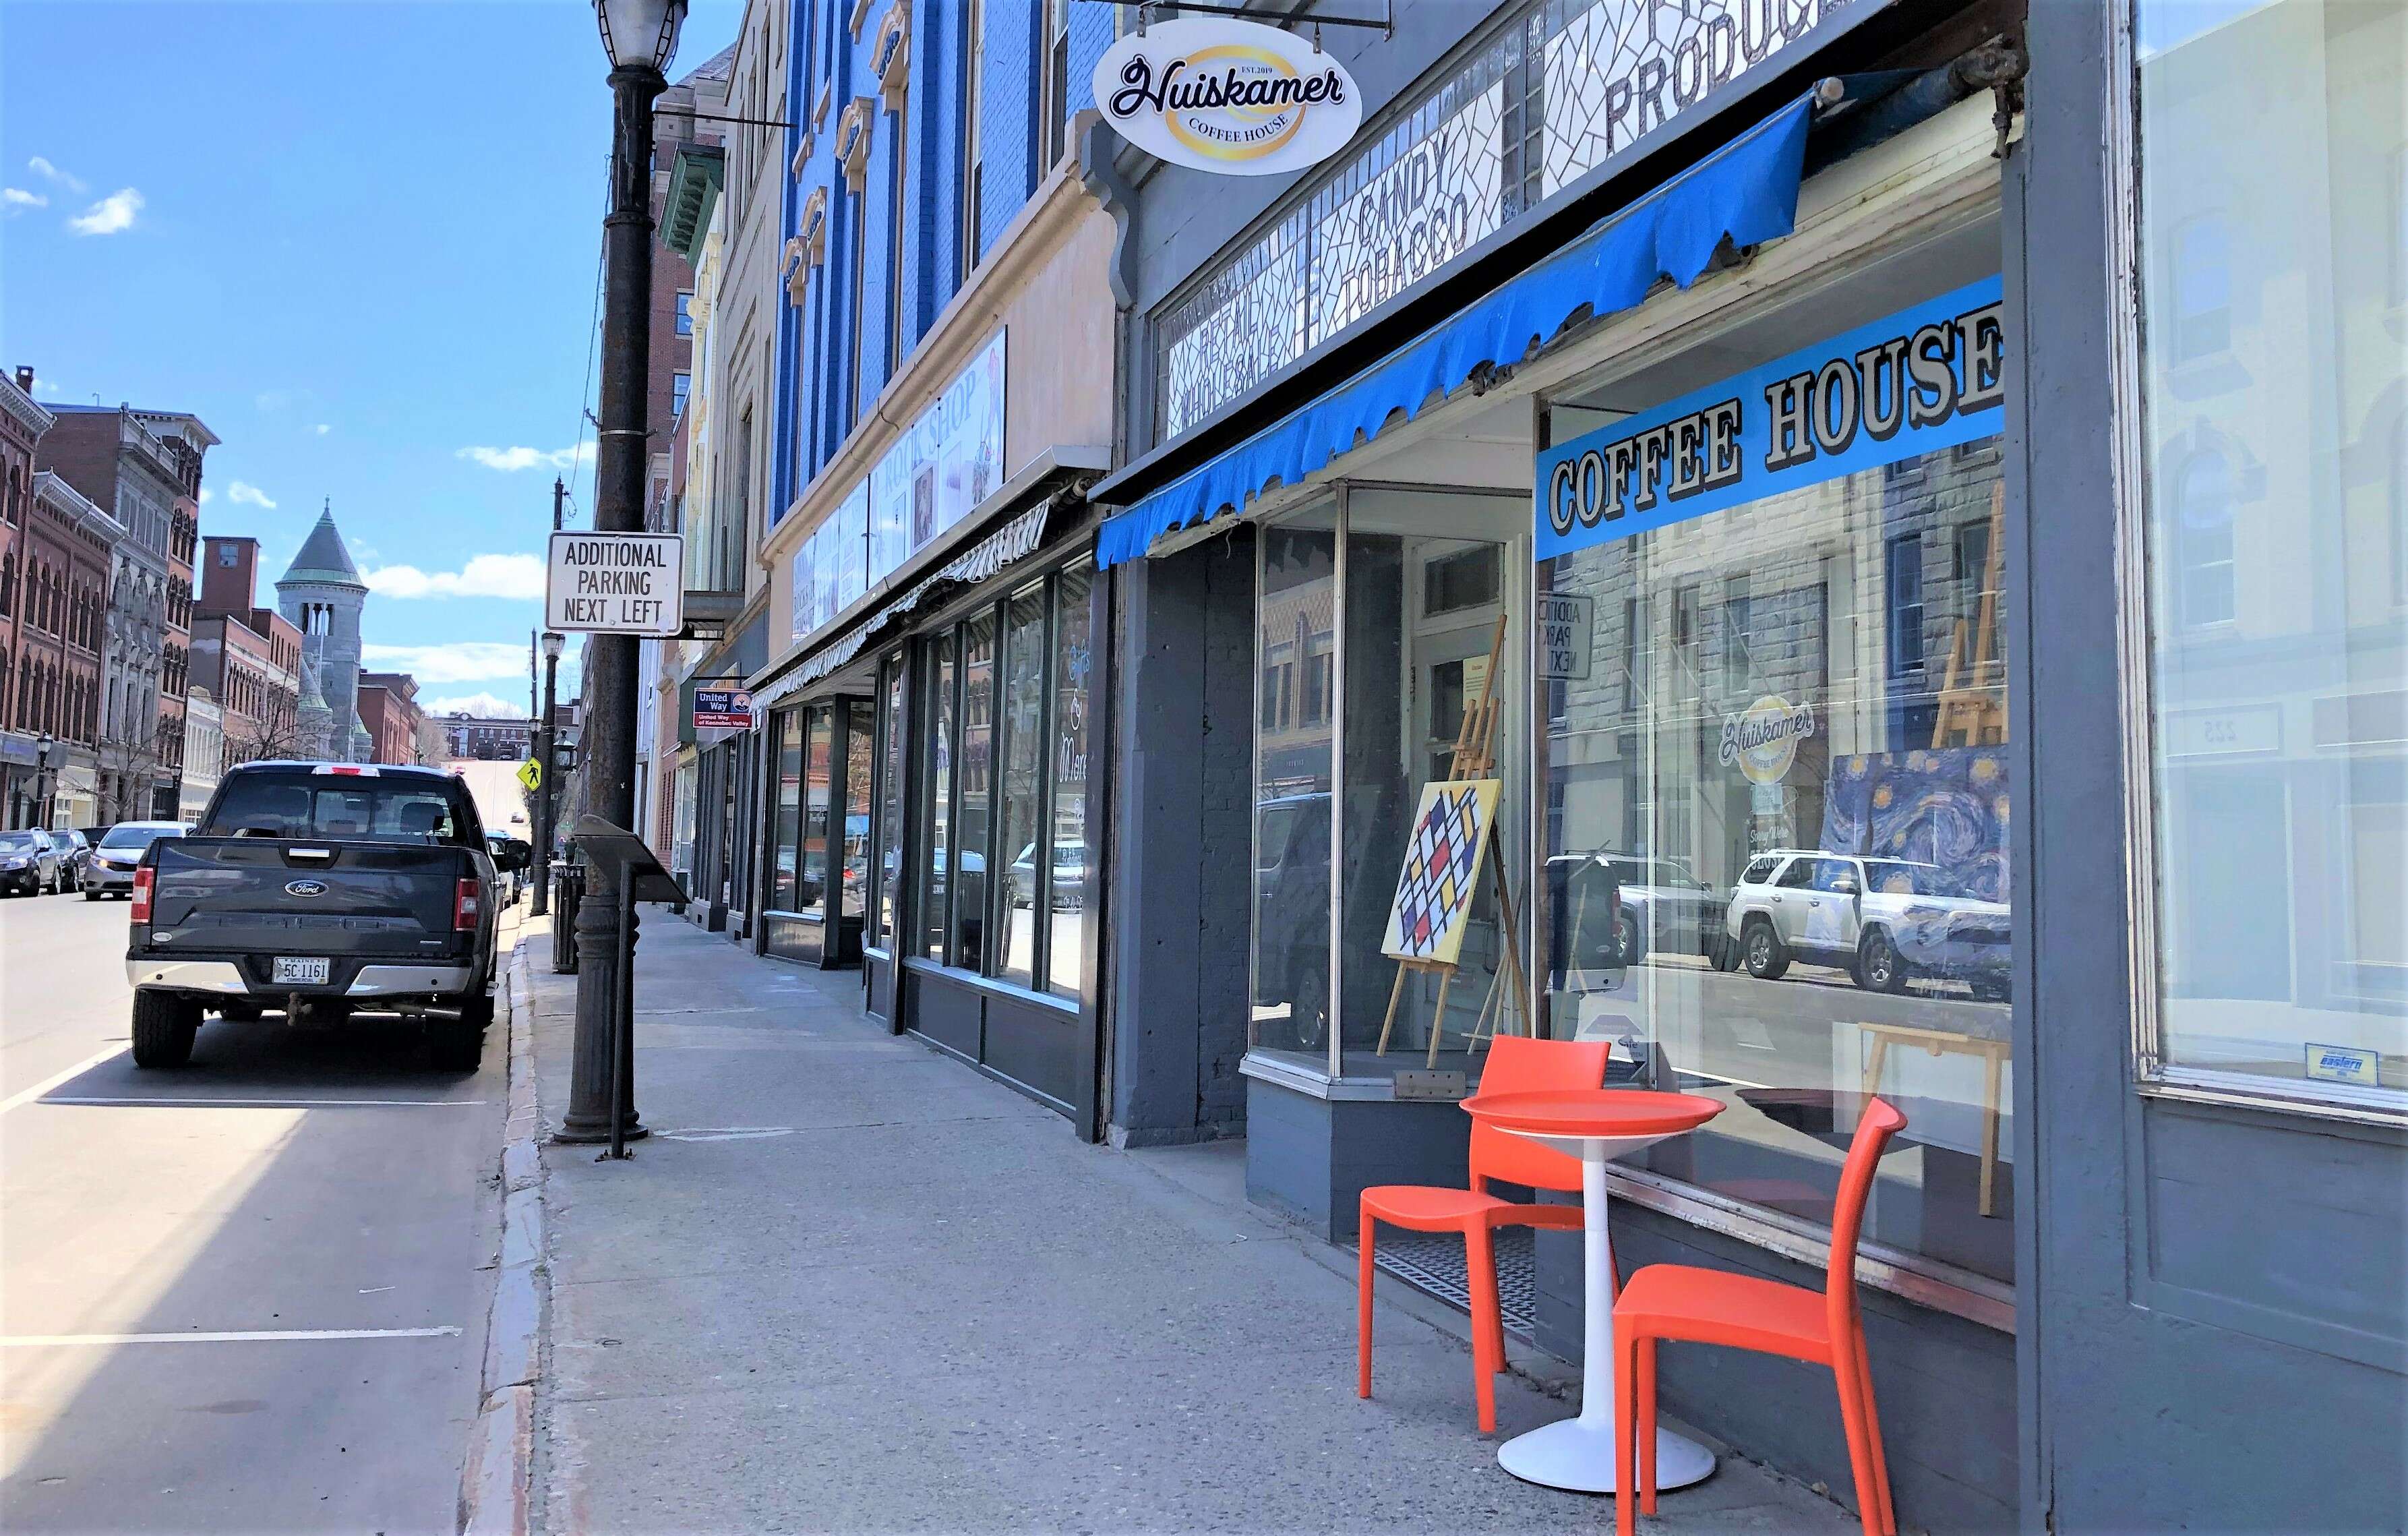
(568, 892)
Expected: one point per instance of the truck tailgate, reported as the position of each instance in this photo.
(267, 896)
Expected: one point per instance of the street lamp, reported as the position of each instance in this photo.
(550, 765)
(640, 36)
(42, 778)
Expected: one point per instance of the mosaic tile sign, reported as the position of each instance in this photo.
(1441, 870)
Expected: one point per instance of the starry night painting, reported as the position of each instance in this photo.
(1946, 806)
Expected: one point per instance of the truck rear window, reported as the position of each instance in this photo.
(388, 810)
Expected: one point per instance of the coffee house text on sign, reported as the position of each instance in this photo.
(621, 583)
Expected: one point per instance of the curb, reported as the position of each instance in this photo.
(497, 1484)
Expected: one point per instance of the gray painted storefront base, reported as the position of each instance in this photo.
(1946, 1387)
(1311, 1158)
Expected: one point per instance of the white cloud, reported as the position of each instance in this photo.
(16, 197)
(514, 575)
(485, 704)
(460, 661)
(243, 491)
(530, 458)
(49, 172)
(321, 429)
(110, 215)
(207, 496)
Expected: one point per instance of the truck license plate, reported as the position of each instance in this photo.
(306, 972)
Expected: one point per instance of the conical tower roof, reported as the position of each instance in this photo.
(323, 557)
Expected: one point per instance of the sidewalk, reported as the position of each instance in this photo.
(849, 1285)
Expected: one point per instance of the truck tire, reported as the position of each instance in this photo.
(1765, 957)
(1630, 939)
(163, 1025)
(1879, 965)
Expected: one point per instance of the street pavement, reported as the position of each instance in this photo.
(317, 1204)
(852, 1285)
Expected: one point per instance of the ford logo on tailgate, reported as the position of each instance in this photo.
(304, 887)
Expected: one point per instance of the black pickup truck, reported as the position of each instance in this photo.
(317, 890)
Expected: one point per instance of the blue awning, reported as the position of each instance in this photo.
(1747, 192)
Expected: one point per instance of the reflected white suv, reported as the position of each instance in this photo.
(1887, 921)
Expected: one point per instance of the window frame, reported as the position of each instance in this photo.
(2153, 1075)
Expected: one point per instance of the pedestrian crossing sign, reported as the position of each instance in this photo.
(531, 775)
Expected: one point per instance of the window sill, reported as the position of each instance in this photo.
(992, 986)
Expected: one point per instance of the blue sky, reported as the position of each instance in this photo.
(359, 241)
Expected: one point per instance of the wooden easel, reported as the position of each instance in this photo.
(1474, 757)
(1972, 698)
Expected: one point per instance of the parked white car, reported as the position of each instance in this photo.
(1887, 921)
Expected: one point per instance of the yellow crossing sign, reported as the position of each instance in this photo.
(531, 775)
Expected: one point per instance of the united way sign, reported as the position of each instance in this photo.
(615, 583)
(1238, 98)
(1927, 378)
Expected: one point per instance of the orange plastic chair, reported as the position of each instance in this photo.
(1715, 1307)
(1515, 1065)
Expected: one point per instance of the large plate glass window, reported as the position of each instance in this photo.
(1067, 880)
(2271, 512)
(930, 907)
(1776, 770)
(1384, 621)
(1023, 738)
(890, 800)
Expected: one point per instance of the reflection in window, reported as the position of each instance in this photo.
(812, 892)
(1024, 758)
(2201, 321)
(1073, 671)
(975, 793)
(1787, 930)
(2279, 786)
(1293, 611)
(2203, 497)
(929, 909)
(890, 801)
(858, 747)
(790, 802)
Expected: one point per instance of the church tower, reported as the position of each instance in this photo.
(322, 594)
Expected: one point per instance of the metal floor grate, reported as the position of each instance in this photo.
(1433, 1262)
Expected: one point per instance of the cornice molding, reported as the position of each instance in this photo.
(852, 142)
(889, 54)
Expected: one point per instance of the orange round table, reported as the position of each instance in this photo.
(1594, 1125)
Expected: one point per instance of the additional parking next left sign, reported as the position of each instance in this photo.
(616, 583)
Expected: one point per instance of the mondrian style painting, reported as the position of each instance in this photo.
(1441, 870)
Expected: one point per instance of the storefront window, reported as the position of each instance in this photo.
(2273, 405)
(1295, 647)
(890, 800)
(930, 912)
(1024, 762)
(812, 893)
(790, 802)
(1067, 884)
(1429, 667)
(1777, 786)
(860, 749)
(976, 792)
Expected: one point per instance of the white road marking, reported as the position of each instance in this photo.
(59, 1341)
(727, 1133)
(26, 1095)
(264, 1103)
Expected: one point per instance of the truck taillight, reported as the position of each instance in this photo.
(464, 908)
(140, 910)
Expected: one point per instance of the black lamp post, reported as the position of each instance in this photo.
(640, 36)
(544, 735)
(42, 778)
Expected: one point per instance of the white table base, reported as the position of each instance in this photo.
(1577, 1453)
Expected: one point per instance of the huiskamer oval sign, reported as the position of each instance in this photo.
(1234, 98)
